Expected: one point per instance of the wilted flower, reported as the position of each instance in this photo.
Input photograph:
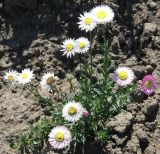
(11, 77)
(47, 81)
(86, 22)
(82, 45)
(25, 77)
(72, 111)
(148, 84)
(68, 47)
(123, 76)
(60, 137)
(102, 14)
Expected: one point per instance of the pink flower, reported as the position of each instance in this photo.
(123, 76)
(60, 137)
(148, 84)
(86, 113)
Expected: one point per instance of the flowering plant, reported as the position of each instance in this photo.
(81, 116)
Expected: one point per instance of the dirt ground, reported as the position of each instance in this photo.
(30, 36)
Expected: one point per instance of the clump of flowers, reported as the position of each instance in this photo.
(48, 80)
(123, 76)
(148, 84)
(72, 111)
(72, 46)
(60, 137)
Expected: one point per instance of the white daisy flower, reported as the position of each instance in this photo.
(47, 81)
(68, 47)
(123, 76)
(72, 111)
(60, 137)
(102, 14)
(82, 45)
(25, 77)
(86, 22)
(11, 77)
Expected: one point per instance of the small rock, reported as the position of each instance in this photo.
(118, 151)
(119, 141)
(158, 28)
(150, 108)
(150, 125)
(121, 123)
(39, 63)
(140, 118)
(156, 42)
(115, 45)
(150, 150)
(149, 28)
(152, 4)
(139, 71)
(1, 115)
(14, 91)
(149, 69)
(132, 146)
(142, 135)
(137, 96)
(132, 107)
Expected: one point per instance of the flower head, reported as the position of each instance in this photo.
(25, 76)
(123, 76)
(148, 84)
(72, 111)
(47, 81)
(102, 14)
(86, 22)
(68, 47)
(11, 77)
(86, 113)
(60, 137)
(82, 45)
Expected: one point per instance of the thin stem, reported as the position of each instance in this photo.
(79, 61)
(90, 37)
(106, 57)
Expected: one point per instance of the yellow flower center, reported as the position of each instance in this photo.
(24, 75)
(50, 80)
(81, 44)
(72, 110)
(59, 137)
(123, 75)
(88, 21)
(69, 47)
(148, 84)
(101, 14)
(10, 78)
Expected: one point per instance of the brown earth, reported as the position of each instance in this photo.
(30, 36)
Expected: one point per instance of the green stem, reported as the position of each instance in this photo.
(90, 37)
(79, 61)
(106, 57)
